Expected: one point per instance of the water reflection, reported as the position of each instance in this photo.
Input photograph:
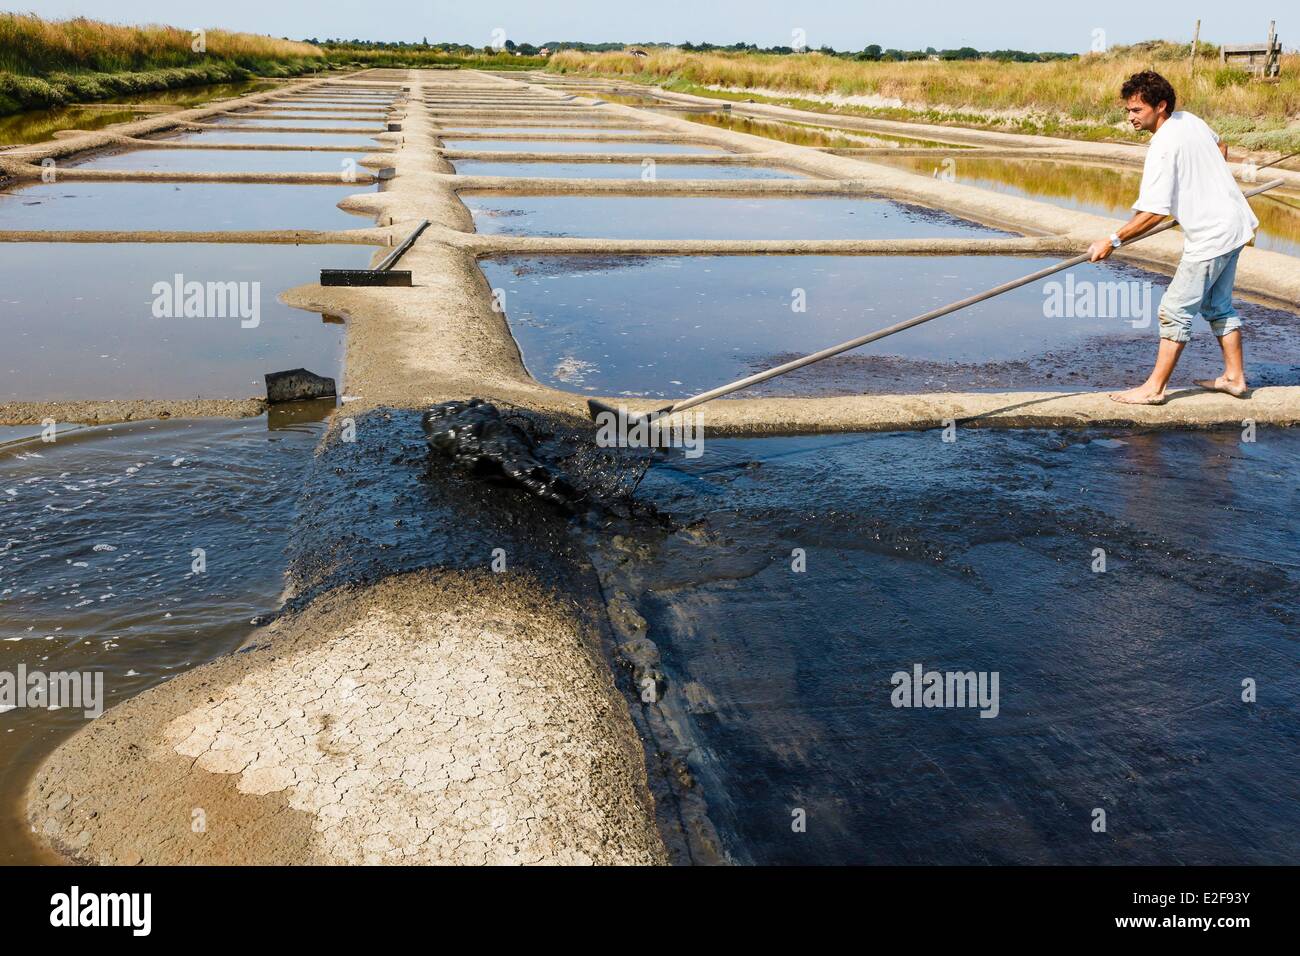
(637, 148)
(808, 134)
(1105, 191)
(34, 126)
(673, 326)
(713, 217)
(662, 170)
(94, 334)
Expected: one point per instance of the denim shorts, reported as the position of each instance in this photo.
(1204, 288)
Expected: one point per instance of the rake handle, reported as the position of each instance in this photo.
(917, 320)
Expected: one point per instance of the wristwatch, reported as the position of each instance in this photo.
(1115, 241)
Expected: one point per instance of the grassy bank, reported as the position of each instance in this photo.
(46, 63)
(1073, 98)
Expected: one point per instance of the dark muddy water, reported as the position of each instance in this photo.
(662, 170)
(637, 148)
(232, 160)
(712, 217)
(94, 333)
(385, 504)
(97, 562)
(1119, 690)
(182, 206)
(589, 324)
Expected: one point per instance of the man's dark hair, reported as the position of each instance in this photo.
(1152, 87)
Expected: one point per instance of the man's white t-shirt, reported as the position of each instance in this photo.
(1185, 176)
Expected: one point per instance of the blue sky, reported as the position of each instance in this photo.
(843, 24)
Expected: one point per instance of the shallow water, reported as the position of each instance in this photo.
(632, 97)
(374, 110)
(93, 334)
(527, 130)
(318, 123)
(662, 170)
(230, 160)
(713, 217)
(37, 126)
(374, 114)
(639, 148)
(33, 126)
(96, 563)
(676, 326)
(1118, 690)
(1095, 189)
(336, 97)
(359, 138)
(627, 99)
(192, 96)
(468, 103)
(809, 134)
(123, 206)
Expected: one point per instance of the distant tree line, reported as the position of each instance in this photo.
(510, 46)
(875, 51)
(871, 52)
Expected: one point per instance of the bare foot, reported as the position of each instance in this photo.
(1229, 386)
(1142, 395)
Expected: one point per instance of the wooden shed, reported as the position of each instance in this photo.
(1261, 59)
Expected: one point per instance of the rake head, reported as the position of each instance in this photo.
(596, 408)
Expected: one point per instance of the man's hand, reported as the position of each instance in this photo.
(1139, 225)
(1101, 249)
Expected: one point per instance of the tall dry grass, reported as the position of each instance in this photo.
(49, 63)
(1068, 97)
(32, 46)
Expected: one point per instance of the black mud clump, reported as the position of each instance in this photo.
(478, 438)
(380, 502)
(547, 457)
(449, 488)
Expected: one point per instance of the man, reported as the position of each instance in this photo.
(1186, 176)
